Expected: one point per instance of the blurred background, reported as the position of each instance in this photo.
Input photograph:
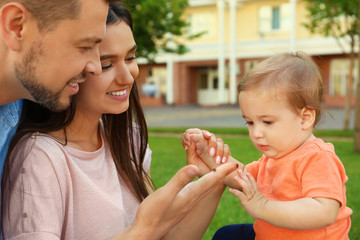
(192, 53)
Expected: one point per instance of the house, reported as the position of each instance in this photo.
(238, 34)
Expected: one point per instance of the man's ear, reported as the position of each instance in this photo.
(308, 116)
(13, 16)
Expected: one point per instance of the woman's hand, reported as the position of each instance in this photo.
(167, 206)
(204, 149)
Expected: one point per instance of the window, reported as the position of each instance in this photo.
(274, 18)
(339, 72)
(202, 23)
(203, 81)
(158, 76)
(215, 82)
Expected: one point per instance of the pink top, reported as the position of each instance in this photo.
(63, 193)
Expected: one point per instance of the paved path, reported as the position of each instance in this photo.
(221, 116)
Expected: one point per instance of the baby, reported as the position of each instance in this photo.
(296, 190)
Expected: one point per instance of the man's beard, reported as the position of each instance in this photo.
(25, 73)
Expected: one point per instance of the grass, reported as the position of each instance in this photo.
(168, 156)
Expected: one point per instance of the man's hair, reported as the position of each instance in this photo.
(295, 75)
(48, 13)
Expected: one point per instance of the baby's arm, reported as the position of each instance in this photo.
(300, 214)
(206, 150)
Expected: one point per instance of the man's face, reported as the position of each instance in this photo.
(58, 60)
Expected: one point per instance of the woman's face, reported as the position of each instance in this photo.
(109, 92)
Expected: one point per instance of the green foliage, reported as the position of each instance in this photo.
(168, 157)
(336, 18)
(156, 22)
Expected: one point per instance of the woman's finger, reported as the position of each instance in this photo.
(212, 145)
(219, 150)
(226, 153)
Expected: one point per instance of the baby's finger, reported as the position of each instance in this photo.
(207, 134)
(185, 140)
(244, 182)
(239, 194)
(186, 136)
(247, 190)
(252, 180)
(243, 176)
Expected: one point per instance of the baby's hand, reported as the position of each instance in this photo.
(185, 139)
(208, 147)
(251, 198)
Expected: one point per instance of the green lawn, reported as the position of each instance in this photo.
(168, 156)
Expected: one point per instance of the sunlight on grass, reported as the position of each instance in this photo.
(168, 156)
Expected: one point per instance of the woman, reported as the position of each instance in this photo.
(82, 173)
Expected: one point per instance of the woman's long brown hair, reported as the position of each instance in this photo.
(126, 133)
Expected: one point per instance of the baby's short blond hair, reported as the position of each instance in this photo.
(293, 74)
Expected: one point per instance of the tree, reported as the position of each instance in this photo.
(357, 102)
(338, 19)
(157, 23)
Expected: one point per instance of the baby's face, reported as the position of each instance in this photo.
(275, 128)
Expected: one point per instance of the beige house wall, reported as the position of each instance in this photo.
(250, 45)
(247, 20)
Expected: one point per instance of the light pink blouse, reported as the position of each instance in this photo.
(60, 192)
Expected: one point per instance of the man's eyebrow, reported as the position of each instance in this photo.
(89, 40)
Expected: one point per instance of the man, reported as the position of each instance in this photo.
(45, 49)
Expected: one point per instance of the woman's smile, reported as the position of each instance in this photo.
(119, 94)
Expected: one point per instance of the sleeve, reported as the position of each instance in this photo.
(34, 206)
(253, 167)
(147, 159)
(148, 152)
(323, 175)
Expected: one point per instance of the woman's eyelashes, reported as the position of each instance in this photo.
(131, 57)
(106, 65)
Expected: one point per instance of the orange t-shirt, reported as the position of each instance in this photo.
(313, 170)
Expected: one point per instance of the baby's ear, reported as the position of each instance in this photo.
(308, 116)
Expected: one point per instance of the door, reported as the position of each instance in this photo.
(208, 86)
